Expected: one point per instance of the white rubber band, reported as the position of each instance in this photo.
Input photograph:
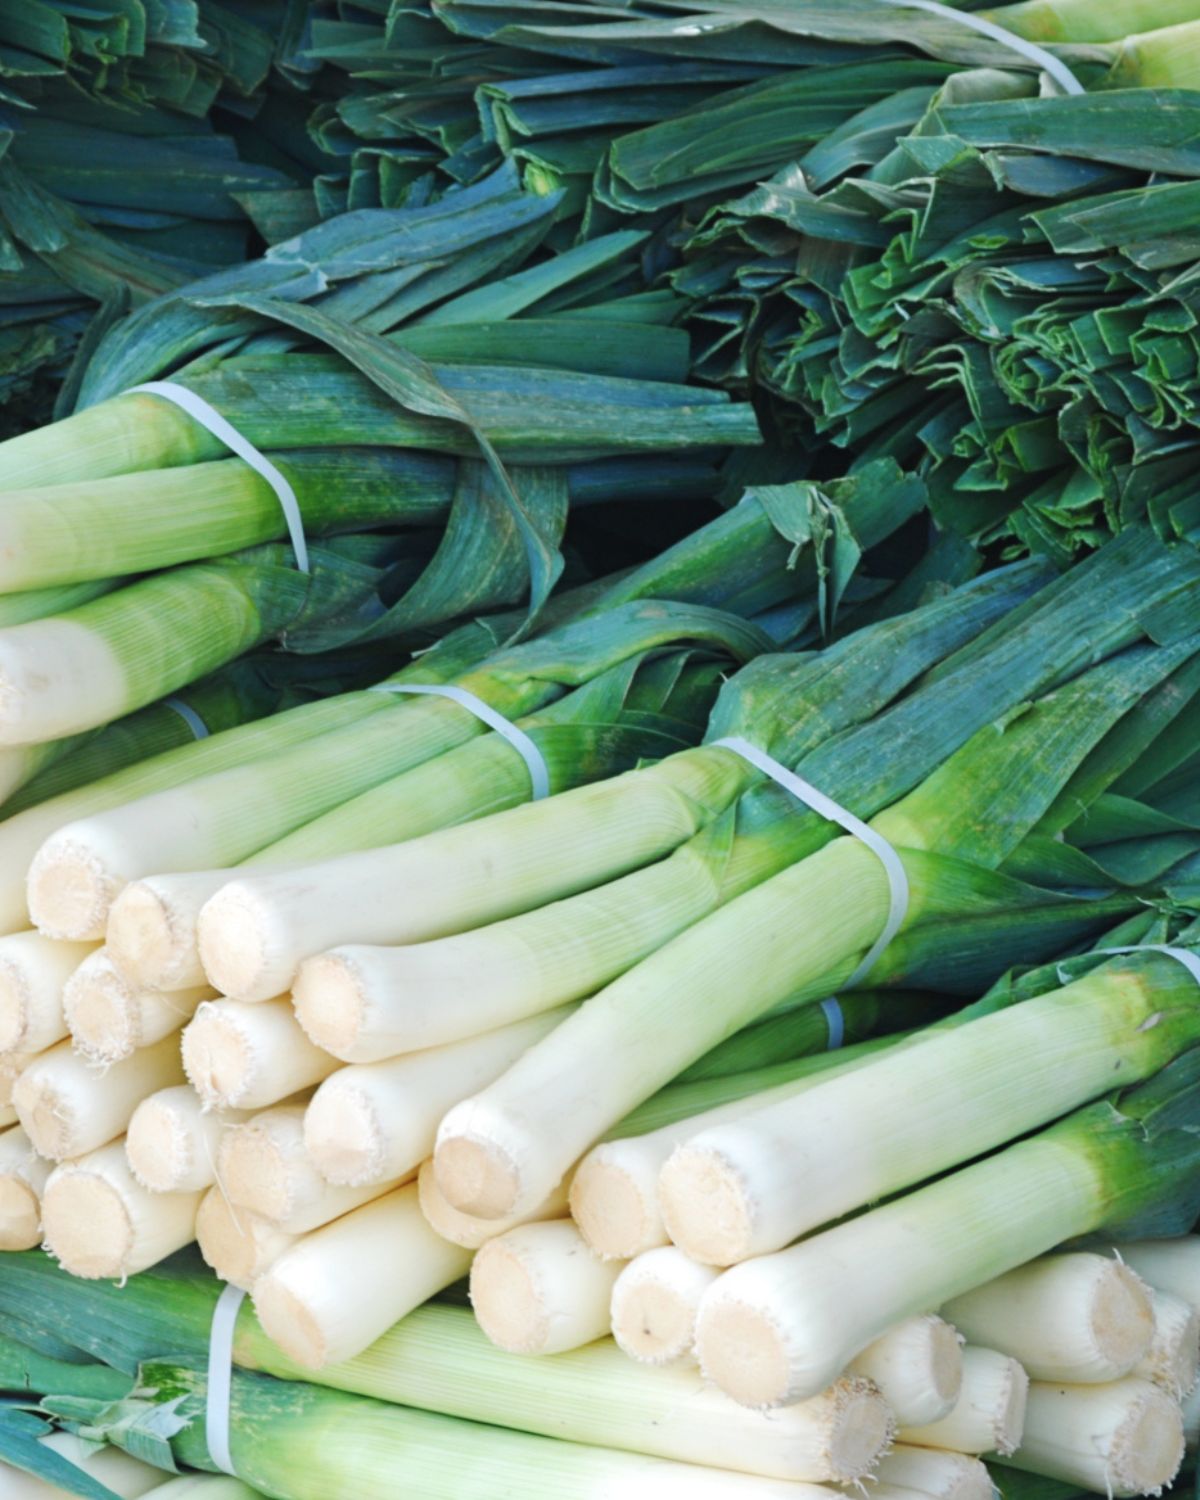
(539, 774)
(209, 417)
(1189, 960)
(826, 807)
(1047, 61)
(836, 1021)
(220, 1378)
(189, 716)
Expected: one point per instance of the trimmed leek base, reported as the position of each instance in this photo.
(438, 1358)
(540, 1290)
(1121, 1439)
(614, 1189)
(375, 1121)
(1173, 1359)
(237, 1244)
(471, 1233)
(172, 1141)
(934, 1472)
(780, 1328)
(338, 1289)
(23, 1175)
(33, 971)
(989, 1415)
(1167, 1265)
(110, 1019)
(1078, 1319)
(917, 1366)
(100, 1222)
(151, 930)
(264, 1167)
(250, 1056)
(654, 1304)
(69, 1108)
(12, 1065)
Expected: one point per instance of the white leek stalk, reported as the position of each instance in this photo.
(1167, 1265)
(438, 1358)
(172, 1141)
(1173, 1358)
(757, 1184)
(250, 1056)
(463, 1229)
(336, 1290)
(110, 1019)
(989, 1415)
(1078, 1319)
(1121, 1439)
(614, 1190)
(654, 1304)
(151, 929)
(33, 971)
(237, 1244)
(257, 930)
(69, 1107)
(376, 1121)
(539, 1290)
(935, 1472)
(100, 1222)
(12, 1065)
(917, 1366)
(263, 1166)
(23, 1175)
(112, 1467)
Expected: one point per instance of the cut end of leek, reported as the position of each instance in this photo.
(20, 1215)
(288, 1321)
(89, 1229)
(238, 1245)
(233, 937)
(654, 1305)
(144, 940)
(16, 1006)
(70, 890)
(343, 1136)
(158, 1146)
(254, 1171)
(219, 1056)
(705, 1206)
(1147, 1447)
(47, 1114)
(478, 1176)
(101, 1014)
(330, 1003)
(616, 1211)
(743, 1350)
(507, 1300)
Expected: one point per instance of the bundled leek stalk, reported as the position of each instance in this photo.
(506, 1148)
(591, 1396)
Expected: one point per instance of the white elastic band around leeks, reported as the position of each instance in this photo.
(836, 1021)
(189, 716)
(1047, 61)
(539, 774)
(220, 1378)
(836, 813)
(210, 418)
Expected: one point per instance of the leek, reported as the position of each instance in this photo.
(989, 1415)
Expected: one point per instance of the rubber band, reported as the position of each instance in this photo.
(826, 807)
(189, 716)
(1047, 61)
(220, 1378)
(836, 1021)
(210, 418)
(1189, 960)
(539, 773)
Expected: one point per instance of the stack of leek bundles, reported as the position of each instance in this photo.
(298, 1077)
